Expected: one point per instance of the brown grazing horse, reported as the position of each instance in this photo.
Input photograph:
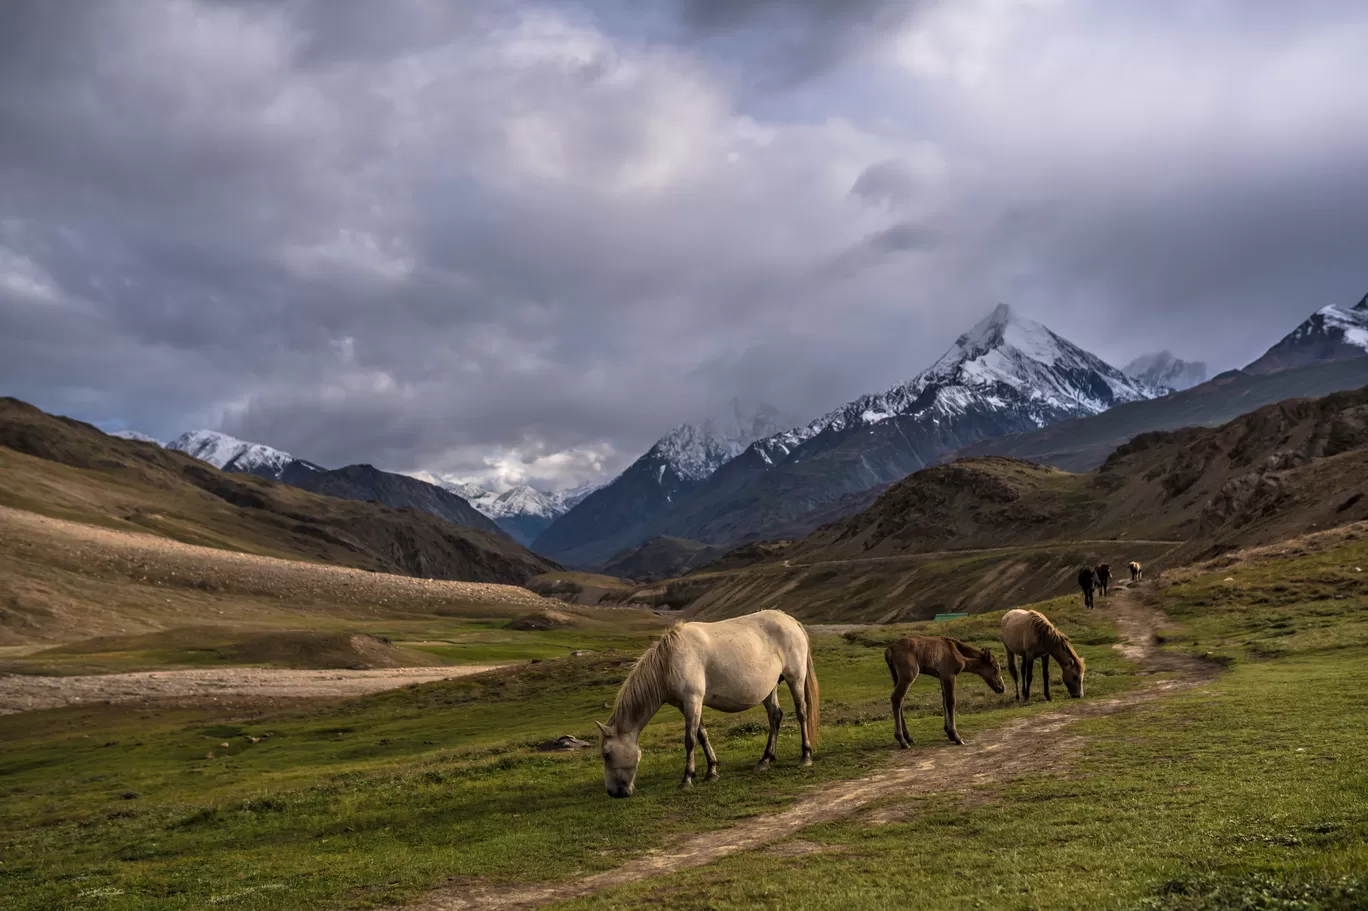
(1087, 580)
(1135, 571)
(943, 658)
(1103, 572)
(1031, 635)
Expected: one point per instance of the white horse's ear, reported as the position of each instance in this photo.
(603, 731)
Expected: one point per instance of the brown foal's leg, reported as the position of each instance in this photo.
(1011, 666)
(1045, 676)
(948, 698)
(899, 697)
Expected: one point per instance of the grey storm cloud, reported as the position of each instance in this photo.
(519, 241)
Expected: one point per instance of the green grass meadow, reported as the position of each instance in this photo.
(1249, 792)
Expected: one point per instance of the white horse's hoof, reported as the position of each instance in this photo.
(712, 775)
(806, 762)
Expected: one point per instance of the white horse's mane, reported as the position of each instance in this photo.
(644, 690)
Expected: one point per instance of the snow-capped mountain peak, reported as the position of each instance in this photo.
(229, 453)
(1164, 371)
(692, 451)
(1351, 321)
(1330, 334)
(523, 501)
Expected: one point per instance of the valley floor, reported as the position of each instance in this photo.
(1171, 785)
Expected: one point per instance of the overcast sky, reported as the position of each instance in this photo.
(518, 241)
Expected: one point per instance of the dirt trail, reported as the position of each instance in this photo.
(24, 693)
(1009, 751)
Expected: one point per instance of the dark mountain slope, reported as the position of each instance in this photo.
(366, 483)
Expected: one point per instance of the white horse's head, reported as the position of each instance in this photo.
(621, 756)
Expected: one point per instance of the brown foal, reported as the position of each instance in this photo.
(943, 658)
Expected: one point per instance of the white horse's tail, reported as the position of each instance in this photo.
(812, 695)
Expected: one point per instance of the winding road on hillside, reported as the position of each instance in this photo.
(1031, 744)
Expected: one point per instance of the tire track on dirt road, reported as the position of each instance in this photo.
(1009, 751)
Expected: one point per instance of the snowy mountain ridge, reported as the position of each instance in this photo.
(1004, 360)
(228, 453)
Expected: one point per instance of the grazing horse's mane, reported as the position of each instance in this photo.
(1050, 635)
(644, 688)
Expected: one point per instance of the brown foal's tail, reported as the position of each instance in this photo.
(888, 659)
(812, 695)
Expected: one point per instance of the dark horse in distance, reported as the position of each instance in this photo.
(1103, 577)
(1087, 580)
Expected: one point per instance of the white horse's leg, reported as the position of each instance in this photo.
(693, 718)
(776, 715)
(796, 684)
(708, 752)
(1012, 666)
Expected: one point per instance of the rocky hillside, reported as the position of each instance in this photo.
(64, 467)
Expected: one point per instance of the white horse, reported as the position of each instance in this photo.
(729, 665)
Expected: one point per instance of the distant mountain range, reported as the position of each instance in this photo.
(523, 512)
(1164, 371)
(1007, 374)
